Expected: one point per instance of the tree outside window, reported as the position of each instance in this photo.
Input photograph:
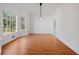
(9, 23)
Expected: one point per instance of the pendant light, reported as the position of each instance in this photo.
(40, 11)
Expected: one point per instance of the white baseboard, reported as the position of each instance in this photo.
(59, 37)
(39, 33)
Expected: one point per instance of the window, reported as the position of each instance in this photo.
(22, 23)
(9, 23)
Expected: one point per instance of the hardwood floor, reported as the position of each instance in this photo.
(39, 44)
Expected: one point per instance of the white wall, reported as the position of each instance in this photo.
(43, 25)
(0, 30)
(67, 21)
(0, 23)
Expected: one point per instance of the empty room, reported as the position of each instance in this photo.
(39, 28)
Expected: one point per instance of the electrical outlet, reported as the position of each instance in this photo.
(13, 36)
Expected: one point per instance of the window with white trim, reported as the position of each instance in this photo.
(9, 23)
(22, 23)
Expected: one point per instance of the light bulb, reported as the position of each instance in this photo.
(40, 18)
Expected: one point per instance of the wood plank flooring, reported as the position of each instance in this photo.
(38, 44)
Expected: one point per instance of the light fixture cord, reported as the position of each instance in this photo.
(40, 9)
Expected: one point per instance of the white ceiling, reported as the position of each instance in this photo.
(47, 8)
